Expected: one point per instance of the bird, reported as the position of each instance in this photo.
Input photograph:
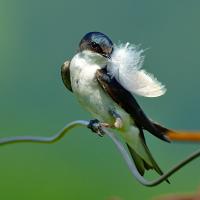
(104, 77)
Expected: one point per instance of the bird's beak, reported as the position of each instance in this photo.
(106, 56)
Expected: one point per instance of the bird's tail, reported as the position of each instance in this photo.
(140, 152)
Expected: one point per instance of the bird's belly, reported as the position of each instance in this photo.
(92, 97)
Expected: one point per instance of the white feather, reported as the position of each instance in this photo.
(125, 65)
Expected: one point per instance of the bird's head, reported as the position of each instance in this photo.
(97, 42)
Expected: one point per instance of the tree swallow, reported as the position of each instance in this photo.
(104, 78)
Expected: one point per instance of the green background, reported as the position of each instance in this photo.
(36, 37)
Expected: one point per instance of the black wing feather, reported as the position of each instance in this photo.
(65, 74)
(126, 100)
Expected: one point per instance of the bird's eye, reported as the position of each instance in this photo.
(94, 45)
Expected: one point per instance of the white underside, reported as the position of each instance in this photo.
(88, 91)
(92, 97)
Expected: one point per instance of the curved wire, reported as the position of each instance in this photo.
(134, 170)
(38, 139)
(116, 141)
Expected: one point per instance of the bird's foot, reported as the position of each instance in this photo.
(96, 126)
(118, 120)
(118, 123)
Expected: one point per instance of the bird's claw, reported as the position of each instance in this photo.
(118, 123)
(96, 126)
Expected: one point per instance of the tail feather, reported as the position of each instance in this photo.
(153, 162)
(141, 154)
(142, 165)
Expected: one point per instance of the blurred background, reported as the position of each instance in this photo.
(36, 37)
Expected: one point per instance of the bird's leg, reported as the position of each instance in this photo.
(118, 120)
(96, 126)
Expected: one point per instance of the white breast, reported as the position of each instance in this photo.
(87, 89)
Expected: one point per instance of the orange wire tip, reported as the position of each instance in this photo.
(190, 136)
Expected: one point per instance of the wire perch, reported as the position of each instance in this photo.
(115, 140)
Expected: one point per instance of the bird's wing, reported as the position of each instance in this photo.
(65, 73)
(125, 65)
(126, 100)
